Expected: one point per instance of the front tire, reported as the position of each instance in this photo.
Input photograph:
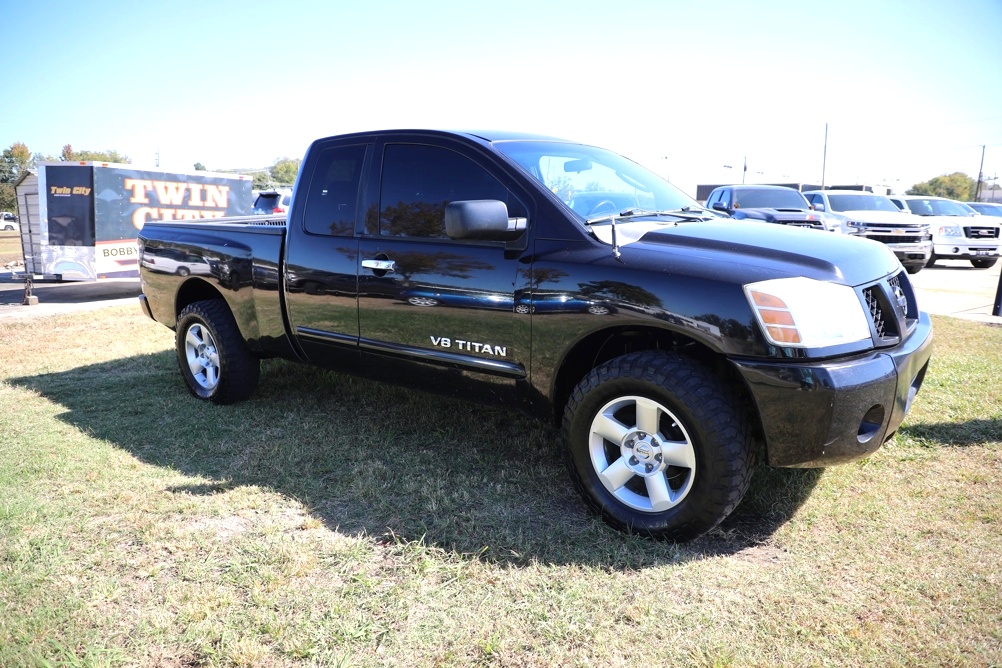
(986, 263)
(656, 446)
(213, 357)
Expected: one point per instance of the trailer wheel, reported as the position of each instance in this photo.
(212, 355)
(656, 446)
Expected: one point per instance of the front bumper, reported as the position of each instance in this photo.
(832, 412)
(912, 254)
(965, 249)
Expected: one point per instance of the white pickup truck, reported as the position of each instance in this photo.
(957, 234)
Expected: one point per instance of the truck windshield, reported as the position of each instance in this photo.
(861, 203)
(592, 181)
(769, 199)
(935, 207)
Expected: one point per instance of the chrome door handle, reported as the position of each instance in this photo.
(389, 266)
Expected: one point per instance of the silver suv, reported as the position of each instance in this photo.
(873, 216)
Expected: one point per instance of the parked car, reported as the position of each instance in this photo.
(770, 204)
(174, 261)
(8, 221)
(986, 208)
(957, 234)
(273, 201)
(875, 217)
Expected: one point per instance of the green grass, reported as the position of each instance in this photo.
(332, 521)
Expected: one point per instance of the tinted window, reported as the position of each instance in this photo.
(419, 181)
(332, 202)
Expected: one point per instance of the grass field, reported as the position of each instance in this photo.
(331, 521)
(10, 247)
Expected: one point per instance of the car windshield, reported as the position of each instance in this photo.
(592, 181)
(767, 198)
(935, 207)
(988, 209)
(861, 202)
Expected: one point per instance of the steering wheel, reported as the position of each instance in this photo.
(606, 204)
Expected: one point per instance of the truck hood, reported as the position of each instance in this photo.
(753, 250)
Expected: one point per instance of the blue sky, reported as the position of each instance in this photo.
(909, 90)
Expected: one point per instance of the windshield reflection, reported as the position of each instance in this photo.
(593, 181)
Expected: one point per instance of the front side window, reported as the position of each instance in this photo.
(418, 182)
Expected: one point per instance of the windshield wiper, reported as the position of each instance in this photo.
(685, 213)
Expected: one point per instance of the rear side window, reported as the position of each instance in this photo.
(419, 181)
(332, 202)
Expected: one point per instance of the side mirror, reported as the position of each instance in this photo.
(719, 206)
(818, 206)
(482, 219)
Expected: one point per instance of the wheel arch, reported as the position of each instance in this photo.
(195, 290)
(600, 347)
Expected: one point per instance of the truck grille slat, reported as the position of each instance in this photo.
(889, 303)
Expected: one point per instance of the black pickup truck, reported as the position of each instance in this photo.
(672, 346)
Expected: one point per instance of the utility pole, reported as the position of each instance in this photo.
(977, 192)
(824, 158)
(745, 171)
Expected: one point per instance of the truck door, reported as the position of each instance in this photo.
(437, 309)
(321, 272)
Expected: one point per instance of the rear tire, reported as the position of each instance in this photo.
(213, 357)
(656, 446)
(986, 263)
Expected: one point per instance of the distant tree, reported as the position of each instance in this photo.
(957, 186)
(262, 181)
(69, 155)
(284, 170)
(13, 161)
(199, 167)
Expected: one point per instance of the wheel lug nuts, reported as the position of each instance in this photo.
(634, 461)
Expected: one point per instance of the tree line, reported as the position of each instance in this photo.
(17, 158)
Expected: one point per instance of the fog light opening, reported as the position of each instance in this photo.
(870, 424)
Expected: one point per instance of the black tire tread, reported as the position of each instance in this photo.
(239, 369)
(718, 413)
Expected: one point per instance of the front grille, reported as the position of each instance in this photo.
(890, 304)
(895, 238)
(981, 232)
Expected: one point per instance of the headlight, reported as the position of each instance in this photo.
(950, 231)
(805, 313)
